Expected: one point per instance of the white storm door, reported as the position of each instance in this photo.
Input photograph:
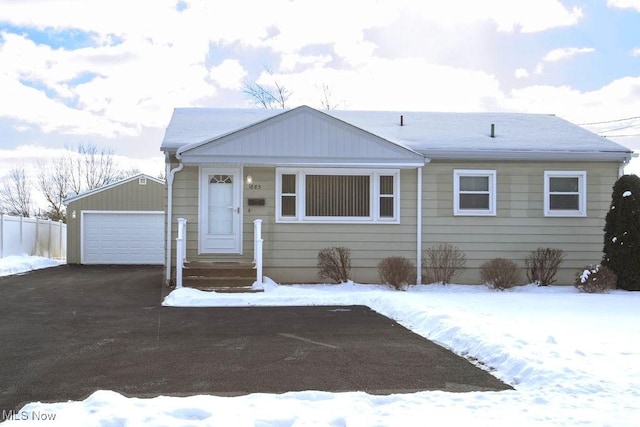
(220, 211)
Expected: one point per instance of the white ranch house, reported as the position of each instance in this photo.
(383, 184)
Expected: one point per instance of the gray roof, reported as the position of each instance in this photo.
(432, 134)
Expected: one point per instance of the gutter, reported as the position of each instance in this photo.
(564, 156)
(170, 176)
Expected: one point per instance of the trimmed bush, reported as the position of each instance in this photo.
(595, 279)
(542, 265)
(442, 262)
(622, 233)
(335, 264)
(500, 273)
(397, 271)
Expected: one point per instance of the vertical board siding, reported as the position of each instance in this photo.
(324, 138)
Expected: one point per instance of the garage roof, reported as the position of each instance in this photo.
(140, 177)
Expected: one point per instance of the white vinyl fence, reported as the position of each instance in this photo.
(32, 236)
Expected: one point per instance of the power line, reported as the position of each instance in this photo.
(621, 136)
(620, 128)
(608, 121)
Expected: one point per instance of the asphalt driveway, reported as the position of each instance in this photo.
(68, 331)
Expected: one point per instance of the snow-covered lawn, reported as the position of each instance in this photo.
(20, 264)
(574, 359)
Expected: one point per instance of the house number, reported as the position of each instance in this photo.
(255, 187)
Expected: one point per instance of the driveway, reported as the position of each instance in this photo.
(71, 330)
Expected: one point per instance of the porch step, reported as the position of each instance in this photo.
(234, 290)
(218, 275)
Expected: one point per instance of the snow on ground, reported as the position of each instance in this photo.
(573, 359)
(16, 264)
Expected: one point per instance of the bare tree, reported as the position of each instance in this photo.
(97, 168)
(80, 170)
(15, 192)
(126, 173)
(272, 96)
(55, 179)
(326, 97)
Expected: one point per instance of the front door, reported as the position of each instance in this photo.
(220, 211)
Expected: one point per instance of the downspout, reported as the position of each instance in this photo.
(170, 175)
(625, 162)
(419, 229)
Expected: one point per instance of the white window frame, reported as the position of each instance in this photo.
(582, 194)
(491, 175)
(374, 195)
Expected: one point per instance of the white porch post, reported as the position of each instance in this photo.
(182, 227)
(257, 249)
(180, 250)
(1, 235)
(419, 229)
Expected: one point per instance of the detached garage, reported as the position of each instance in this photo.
(121, 223)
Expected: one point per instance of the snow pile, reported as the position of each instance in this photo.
(572, 358)
(16, 264)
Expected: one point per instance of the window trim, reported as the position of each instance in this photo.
(491, 174)
(374, 195)
(582, 194)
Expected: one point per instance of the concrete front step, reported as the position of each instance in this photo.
(238, 290)
(219, 282)
(218, 275)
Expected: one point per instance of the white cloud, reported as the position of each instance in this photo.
(565, 53)
(635, 52)
(401, 84)
(561, 54)
(619, 98)
(624, 4)
(31, 106)
(159, 59)
(229, 74)
(291, 61)
(526, 16)
(133, 82)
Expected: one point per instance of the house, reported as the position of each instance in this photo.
(385, 184)
(119, 223)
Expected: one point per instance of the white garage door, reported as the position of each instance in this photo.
(122, 237)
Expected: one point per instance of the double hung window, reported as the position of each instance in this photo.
(565, 193)
(474, 192)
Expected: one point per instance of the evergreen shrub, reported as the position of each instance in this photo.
(622, 233)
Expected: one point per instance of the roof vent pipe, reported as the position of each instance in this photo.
(493, 130)
(401, 120)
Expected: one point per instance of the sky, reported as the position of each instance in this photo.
(110, 72)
